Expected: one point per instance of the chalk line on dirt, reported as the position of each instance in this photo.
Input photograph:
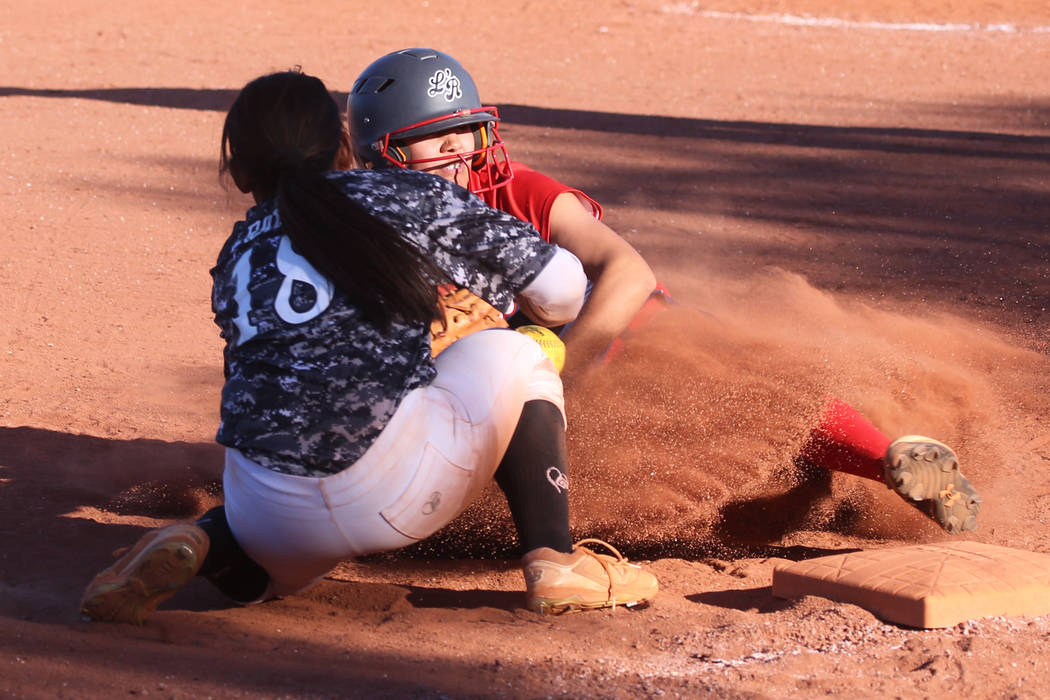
(839, 23)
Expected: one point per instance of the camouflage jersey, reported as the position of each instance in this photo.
(310, 384)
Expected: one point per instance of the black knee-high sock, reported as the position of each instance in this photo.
(227, 566)
(533, 476)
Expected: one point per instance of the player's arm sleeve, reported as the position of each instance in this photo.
(530, 196)
(490, 252)
(556, 295)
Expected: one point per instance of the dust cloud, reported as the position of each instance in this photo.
(684, 444)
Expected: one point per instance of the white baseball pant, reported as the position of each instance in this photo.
(440, 449)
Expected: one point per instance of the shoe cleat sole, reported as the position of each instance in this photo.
(926, 473)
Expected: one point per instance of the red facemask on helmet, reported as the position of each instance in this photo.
(488, 164)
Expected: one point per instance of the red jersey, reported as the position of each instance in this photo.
(530, 196)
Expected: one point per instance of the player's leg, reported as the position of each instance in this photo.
(227, 566)
(559, 576)
(299, 528)
(533, 474)
(923, 471)
(166, 559)
(845, 441)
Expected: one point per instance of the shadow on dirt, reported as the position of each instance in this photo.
(759, 600)
(852, 138)
(48, 479)
(53, 482)
(946, 216)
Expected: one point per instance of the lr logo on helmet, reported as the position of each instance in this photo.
(444, 83)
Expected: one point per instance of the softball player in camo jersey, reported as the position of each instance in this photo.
(420, 109)
(344, 437)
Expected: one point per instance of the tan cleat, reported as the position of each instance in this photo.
(557, 583)
(147, 574)
(926, 473)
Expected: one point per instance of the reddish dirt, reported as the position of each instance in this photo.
(845, 197)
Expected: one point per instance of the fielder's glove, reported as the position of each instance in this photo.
(465, 313)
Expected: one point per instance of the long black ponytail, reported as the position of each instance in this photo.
(282, 134)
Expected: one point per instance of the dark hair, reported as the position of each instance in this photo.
(281, 136)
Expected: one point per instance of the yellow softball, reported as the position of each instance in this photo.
(549, 341)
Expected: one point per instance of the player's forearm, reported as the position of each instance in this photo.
(613, 302)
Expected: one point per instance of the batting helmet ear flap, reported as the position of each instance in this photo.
(397, 153)
(394, 152)
(483, 138)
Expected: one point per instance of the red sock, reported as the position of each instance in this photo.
(846, 442)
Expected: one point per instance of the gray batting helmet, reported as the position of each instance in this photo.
(412, 93)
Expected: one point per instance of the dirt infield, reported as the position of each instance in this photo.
(844, 197)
